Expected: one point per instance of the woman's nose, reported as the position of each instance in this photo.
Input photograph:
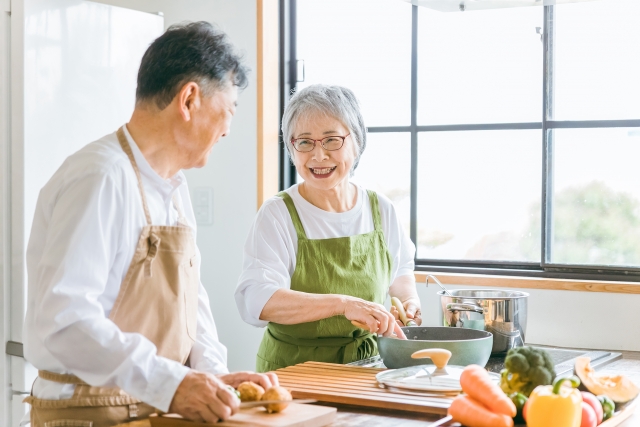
(320, 153)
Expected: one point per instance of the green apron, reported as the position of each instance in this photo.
(359, 266)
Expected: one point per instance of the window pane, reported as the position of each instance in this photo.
(479, 195)
(596, 199)
(479, 67)
(597, 62)
(385, 167)
(364, 45)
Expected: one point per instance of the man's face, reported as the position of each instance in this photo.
(211, 120)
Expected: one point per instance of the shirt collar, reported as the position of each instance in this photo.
(148, 172)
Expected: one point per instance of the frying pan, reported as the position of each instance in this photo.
(468, 346)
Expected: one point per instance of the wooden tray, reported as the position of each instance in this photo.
(353, 385)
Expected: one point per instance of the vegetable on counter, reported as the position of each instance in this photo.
(608, 407)
(588, 418)
(250, 391)
(525, 369)
(475, 381)
(276, 393)
(519, 400)
(555, 405)
(617, 387)
(593, 401)
(485, 404)
(466, 410)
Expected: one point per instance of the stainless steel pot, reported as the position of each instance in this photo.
(467, 346)
(503, 313)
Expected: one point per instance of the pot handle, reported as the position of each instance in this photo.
(464, 307)
(439, 356)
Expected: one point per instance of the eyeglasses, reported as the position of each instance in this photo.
(329, 143)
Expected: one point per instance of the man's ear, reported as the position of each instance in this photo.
(188, 100)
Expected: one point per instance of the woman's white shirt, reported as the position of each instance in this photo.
(271, 247)
(85, 231)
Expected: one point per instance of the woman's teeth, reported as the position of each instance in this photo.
(322, 171)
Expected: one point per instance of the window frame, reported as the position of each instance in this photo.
(543, 269)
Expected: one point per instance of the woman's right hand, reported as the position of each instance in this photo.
(377, 319)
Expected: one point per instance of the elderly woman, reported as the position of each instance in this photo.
(322, 255)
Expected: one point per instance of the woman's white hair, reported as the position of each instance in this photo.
(334, 101)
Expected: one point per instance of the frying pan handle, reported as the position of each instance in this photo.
(464, 307)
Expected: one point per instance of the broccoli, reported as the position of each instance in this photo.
(525, 369)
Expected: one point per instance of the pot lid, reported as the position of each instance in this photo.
(438, 378)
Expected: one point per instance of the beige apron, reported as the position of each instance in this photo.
(158, 298)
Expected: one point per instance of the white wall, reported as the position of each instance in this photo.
(231, 172)
(566, 318)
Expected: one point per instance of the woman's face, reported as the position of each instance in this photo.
(322, 169)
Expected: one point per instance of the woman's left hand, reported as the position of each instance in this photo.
(412, 308)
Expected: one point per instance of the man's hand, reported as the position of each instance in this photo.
(204, 397)
(234, 379)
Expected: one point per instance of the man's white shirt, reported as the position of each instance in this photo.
(85, 231)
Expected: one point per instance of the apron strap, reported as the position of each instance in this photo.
(122, 139)
(61, 378)
(375, 210)
(295, 218)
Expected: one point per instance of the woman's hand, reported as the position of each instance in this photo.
(374, 316)
(404, 288)
(412, 308)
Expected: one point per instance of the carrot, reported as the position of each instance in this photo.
(475, 381)
(471, 413)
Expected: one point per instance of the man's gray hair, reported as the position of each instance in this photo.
(334, 101)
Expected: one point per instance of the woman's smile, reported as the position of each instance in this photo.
(322, 173)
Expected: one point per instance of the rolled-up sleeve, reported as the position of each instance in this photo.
(269, 254)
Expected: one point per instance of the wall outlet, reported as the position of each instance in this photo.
(203, 205)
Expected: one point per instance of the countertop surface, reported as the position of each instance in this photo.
(629, 366)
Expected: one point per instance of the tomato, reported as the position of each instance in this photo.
(595, 404)
(588, 416)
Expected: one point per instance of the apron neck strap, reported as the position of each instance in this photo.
(375, 210)
(297, 223)
(122, 139)
(295, 218)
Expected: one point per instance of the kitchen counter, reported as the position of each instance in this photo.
(629, 366)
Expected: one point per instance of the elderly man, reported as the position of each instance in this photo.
(118, 323)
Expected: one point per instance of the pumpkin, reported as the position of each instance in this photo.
(619, 388)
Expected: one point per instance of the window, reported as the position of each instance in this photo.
(508, 138)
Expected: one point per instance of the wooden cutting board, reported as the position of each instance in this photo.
(296, 415)
(354, 385)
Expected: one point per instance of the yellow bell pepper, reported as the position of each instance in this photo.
(555, 405)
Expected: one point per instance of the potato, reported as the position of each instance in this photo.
(277, 393)
(250, 392)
